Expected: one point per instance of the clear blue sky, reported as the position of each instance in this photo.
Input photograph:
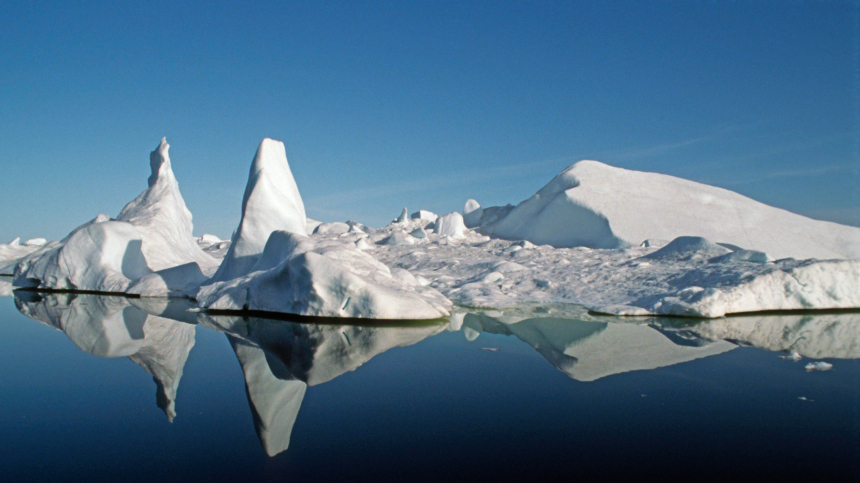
(421, 104)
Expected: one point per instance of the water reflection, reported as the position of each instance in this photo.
(108, 326)
(587, 347)
(814, 335)
(280, 359)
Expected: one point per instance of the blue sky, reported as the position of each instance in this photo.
(422, 104)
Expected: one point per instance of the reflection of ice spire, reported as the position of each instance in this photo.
(111, 327)
(280, 359)
(274, 402)
(163, 355)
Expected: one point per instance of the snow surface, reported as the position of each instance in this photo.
(599, 206)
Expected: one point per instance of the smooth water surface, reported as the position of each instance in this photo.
(90, 385)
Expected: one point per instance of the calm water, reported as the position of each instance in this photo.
(89, 385)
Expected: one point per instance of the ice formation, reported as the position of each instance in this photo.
(472, 214)
(599, 206)
(11, 253)
(99, 256)
(450, 225)
(271, 202)
(615, 241)
(424, 215)
(162, 218)
(692, 277)
(148, 250)
(299, 275)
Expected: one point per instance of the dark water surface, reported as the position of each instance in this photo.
(89, 383)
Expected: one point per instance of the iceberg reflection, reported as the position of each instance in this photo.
(280, 359)
(108, 326)
(814, 335)
(587, 347)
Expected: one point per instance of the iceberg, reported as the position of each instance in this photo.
(599, 206)
(271, 202)
(296, 274)
(99, 256)
(148, 250)
(162, 218)
(616, 241)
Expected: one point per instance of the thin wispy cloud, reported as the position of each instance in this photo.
(628, 154)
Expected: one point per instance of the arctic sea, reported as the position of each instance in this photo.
(483, 402)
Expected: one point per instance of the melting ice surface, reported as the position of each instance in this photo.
(556, 391)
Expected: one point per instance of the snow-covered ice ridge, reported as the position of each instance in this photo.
(615, 241)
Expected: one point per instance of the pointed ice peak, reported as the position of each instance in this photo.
(160, 214)
(270, 154)
(271, 202)
(159, 161)
(403, 216)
